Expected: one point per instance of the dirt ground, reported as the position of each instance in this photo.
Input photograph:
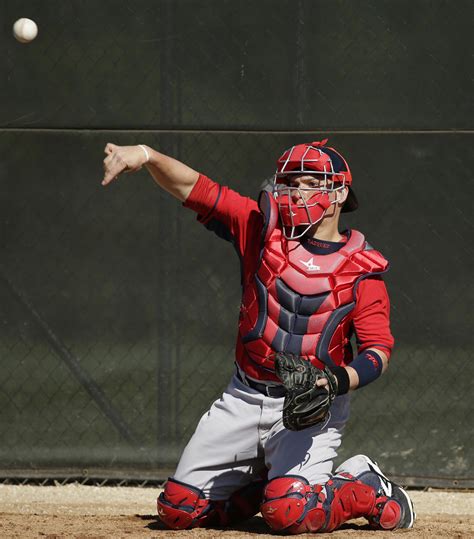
(120, 512)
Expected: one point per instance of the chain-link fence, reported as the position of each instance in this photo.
(118, 311)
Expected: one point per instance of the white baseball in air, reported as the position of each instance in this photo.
(25, 30)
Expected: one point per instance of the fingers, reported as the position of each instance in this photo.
(108, 177)
(107, 170)
(107, 161)
(322, 382)
(121, 159)
(113, 166)
(109, 148)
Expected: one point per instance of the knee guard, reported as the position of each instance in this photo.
(182, 506)
(290, 503)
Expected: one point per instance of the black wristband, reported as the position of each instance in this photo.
(342, 377)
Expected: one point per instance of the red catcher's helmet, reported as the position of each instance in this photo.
(317, 159)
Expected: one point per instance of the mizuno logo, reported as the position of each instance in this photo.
(270, 510)
(310, 266)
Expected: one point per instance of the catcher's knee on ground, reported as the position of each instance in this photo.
(182, 506)
(293, 506)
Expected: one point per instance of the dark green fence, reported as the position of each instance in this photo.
(118, 311)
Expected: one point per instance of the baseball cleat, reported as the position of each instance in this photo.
(396, 509)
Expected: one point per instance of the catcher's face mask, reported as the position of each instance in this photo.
(303, 204)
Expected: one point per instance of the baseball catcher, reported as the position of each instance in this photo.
(268, 444)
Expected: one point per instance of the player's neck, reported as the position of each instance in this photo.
(328, 230)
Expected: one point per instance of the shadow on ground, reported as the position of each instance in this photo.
(255, 525)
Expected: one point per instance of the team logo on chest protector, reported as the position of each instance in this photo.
(301, 303)
(310, 266)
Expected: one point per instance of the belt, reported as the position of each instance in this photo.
(275, 392)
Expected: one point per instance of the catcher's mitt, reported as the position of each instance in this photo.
(306, 404)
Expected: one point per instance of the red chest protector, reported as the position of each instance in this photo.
(300, 302)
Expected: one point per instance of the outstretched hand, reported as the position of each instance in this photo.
(122, 159)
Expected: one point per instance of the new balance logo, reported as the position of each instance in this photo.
(310, 266)
(386, 484)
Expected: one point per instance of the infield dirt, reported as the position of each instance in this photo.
(81, 512)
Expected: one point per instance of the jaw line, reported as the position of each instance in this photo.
(294, 228)
(307, 227)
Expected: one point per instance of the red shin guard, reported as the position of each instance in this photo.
(348, 499)
(293, 505)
